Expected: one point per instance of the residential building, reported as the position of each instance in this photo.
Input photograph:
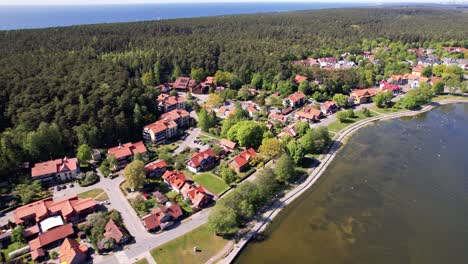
(71, 210)
(160, 198)
(399, 79)
(156, 168)
(160, 131)
(308, 114)
(202, 161)
(180, 116)
(289, 130)
(328, 62)
(294, 100)
(417, 70)
(307, 62)
(168, 103)
(227, 145)
(175, 179)
(362, 96)
(126, 152)
(184, 84)
(195, 195)
(56, 171)
(252, 109)
(278, 116)
(71, 252)
(329, 107)
(299, 78)
(241, 162)
(49, 239)
(162, 217)
(116, 232)
(385, 86)
(225, 111)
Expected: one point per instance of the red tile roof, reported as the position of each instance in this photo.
(175, 114)
(364, 92)
(329, 104)
(40, 209)
(244, 157)
(196, 159)
(159, 164)
(51, 236)
(151, 221)
(309, 113)
(35, 254)
(71, 252)
(175, 179)
(54, 166)
(389, 86)
(296, 97)
(114, 231)
(183, 83)
(128, 149)
(227, 143)
(299, 78)
(198, 196)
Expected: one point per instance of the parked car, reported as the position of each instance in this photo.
(71, 185)
(58, 188)
(64, 187)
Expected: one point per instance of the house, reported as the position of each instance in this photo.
(417, 71)
(227, 145)
(168, 103)
(294, 100)
(162, 217)
(198, 197)
(125, 153)
(160, 131)
(160, 198)
(56, 171)
(329, 107)
(362, 96)
(163, 88)
(289, 130)
(176, 180)
(327, 62)
(307, 62)
(299, 78)
(385, 86)
(156, 168)
(180, 116)
(279, 117)
(71, 252)
(184, 84)
(225, 111)
(252, 109)
(398, 79)
(240, 163)
(202, 161)
(205, 86)
(116, 232)
(286, 111)
(50, 238)
(71, 209)
(435, 80)
(308, 114)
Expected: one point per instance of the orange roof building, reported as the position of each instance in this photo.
(51, 236)
(308, 114)
(240, 163)
(56, 170)
(294, 100)
(71, 252)
(361, 96)
(113, 230)
(201, 161)
(71, 209)
(227, 145)
(127, 150)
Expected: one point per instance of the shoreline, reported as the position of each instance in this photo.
(314, 175)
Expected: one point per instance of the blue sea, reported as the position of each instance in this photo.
(22, 17)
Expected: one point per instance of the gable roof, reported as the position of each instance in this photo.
(51, 236)
(309, 113)
(199, 157)
(113, 231)
(155, 165)
(364, 92)
(72, 252)
(244, 157)
(54, 166)
(299, 78)
(296, 97)
(128, 149)
(227, 143)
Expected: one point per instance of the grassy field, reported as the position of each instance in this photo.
(98, 194)
(448, 96)
(141, 261)
(337, 125)
(12, 247)
(214, 184)
(180, 250)
(386, 110)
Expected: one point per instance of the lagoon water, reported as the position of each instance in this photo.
(20, 17)
(396, 193)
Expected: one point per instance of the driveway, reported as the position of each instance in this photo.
(188, 141)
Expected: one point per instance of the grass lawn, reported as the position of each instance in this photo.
(337, 125)
(448, 96)
(172, 195)
(141, 261)
(388, 110)
(214, 184)
(180, 250)
(92, 194)
(12, 247)
(185, 206)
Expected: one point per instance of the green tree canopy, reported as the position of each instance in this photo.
(135, 174)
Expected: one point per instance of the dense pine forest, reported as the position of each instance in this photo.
(61, 87)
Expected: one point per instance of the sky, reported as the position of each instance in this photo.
(96, 2)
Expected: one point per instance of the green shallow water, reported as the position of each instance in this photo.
(396, 193)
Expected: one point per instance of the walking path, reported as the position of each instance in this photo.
(278, 205)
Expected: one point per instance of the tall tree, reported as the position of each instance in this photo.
(135, 174)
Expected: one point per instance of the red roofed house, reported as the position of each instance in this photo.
(385, 86)
(162, 217)
(71, 252)
(252, 110)
(307, 62)
(198, 197)
(278, 116)
(50, 238)
(184, 84)
(156, 168)
(160, 131)
(417, 71)
(227, 145)
(240, 163)
(202, 161)
(329, 107)
(299, 78)
(399, 79)
(174, 179)
(71, 209)
(180, 116)
(168, 103)
(328, 62)
(294, 100)
(362, 96)
(116, 232)
(125, 153)
(308, 114)
(59, 170)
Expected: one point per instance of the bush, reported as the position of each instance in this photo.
(90, 178)
(366, 112)
(342, 116)
(53, 255)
